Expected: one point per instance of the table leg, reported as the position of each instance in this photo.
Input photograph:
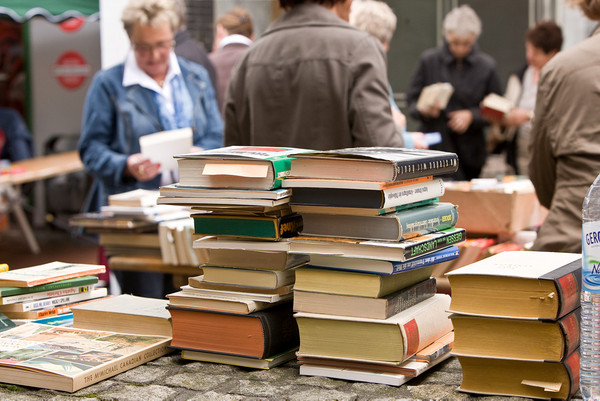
(14, 202)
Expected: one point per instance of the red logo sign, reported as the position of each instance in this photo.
(72, 24)
(71, 70)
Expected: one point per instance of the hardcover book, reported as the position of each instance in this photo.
(219, 302)
(373, 164)
(258, 227)
(47, 273)
(534, 379)
(391, 340)
(356, 306)
(54, 301)
(269, 279)
(535, 340)
(494, 107)
(210, 202)
(240, 167)
(383, 266)
(216, 291)
(359, 211)
(161, 146)
(437, 94)
(257, 335)
(350, 184)
(125, 314)
(178, 190)
(388, 227)
(330, 281)
(531, 285)
(255, 259)
(137, 198)
(68, 359)
(369, 198)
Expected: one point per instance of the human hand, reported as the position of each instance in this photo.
(399, 118)
(141, 168)
(516, 117)
(195, 149)
(460, 120)
(419, 140)
(432, 111)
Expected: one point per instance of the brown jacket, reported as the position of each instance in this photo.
(565, 142)
(311, 81)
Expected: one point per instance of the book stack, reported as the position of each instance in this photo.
(242, 301)
(516, 324)
(48, 290)
(366, 302)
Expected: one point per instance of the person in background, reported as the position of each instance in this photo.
(473, 75)
(233, 35)
(189, 48)
(565, 145)
(153, 90)
(311, 81)
(15, 139)
(378, 19)
(542, 42)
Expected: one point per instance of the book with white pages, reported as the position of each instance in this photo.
(160, 147)
(177, 190)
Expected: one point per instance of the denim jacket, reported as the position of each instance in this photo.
(115, 117)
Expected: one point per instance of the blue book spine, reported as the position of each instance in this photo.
(443, 255)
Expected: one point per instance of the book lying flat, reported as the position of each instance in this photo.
(68, 359)
(367, 307)
(54, 301)
(350, 184)
(269, 279)
(197, 201)
(11, 295)
(388, 227)
(263, 363)
(219, 302)
(197, 286)
(178, 190)
(47, 273)
(138, 197)
(531, 285)
(239, 167)
(391, 340)
(255, 259)
(359, 211)
(369, 198)
(259, 227)
(373, 164)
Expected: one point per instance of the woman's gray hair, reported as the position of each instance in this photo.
(462, 21)
(149, 12)
(375, 18)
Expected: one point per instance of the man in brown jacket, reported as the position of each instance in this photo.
(311, 81)
(565, 140)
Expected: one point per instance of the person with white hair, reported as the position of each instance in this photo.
(473, 75)
(378, 19)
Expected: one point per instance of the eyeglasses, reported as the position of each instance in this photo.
(146, 49)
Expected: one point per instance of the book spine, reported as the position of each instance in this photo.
(289, 226)
(441, 165)
(427, 219)
(441, 256)
(10, 291)
(281, 168)
(572, 365)
(412, 193)
(280, 329)
(453, 236)
(570, 329)
(58, 301)
(45, 294)
(410, 296)
(567, 280)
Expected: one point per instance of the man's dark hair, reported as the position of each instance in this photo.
(285, 4)
(545, 35)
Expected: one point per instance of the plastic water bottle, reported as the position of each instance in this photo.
(590, 295)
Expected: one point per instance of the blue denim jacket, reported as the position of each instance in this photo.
(115, 117)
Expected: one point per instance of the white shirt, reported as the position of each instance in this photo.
(235, 38)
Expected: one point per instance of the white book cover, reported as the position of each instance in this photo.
(161, 147)
(523, 264)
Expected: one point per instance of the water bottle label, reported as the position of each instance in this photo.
(591, 257)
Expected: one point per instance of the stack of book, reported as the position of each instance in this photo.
(242, 303)
(48, 290)
(516, 321)
(366, 302)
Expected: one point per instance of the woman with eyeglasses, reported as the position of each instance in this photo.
(152, 91)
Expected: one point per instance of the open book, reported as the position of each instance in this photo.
(438, 93)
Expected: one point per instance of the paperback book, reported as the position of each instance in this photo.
(47, 273)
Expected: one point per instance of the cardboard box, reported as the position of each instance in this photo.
(498, 213)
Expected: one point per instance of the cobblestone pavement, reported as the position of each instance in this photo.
(171, 378)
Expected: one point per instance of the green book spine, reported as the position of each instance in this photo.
(449, 237)
(248, 226)
(72, 282)
(281, 168)
(439, 216)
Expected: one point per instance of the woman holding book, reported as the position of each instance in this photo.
(152, 91)
(473, 75)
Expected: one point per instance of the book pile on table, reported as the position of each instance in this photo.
(516, 322)
(243, 301)
(49, 289)
(366, 303)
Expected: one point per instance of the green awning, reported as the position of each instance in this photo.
(52, 10)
